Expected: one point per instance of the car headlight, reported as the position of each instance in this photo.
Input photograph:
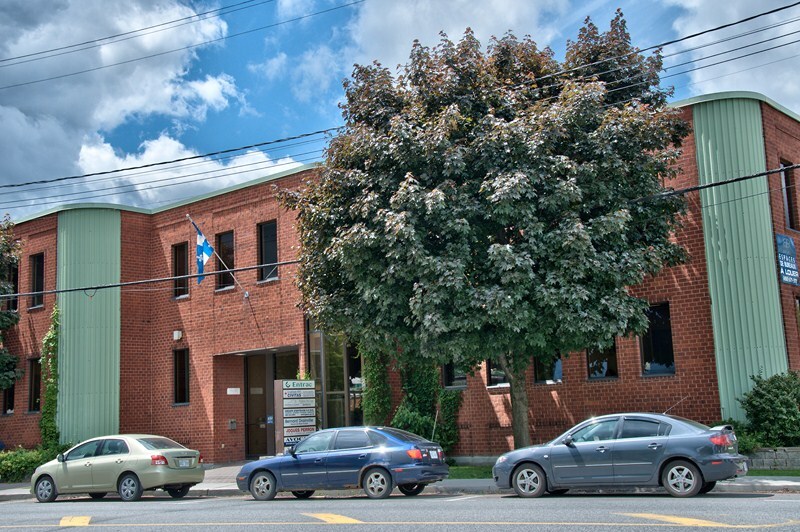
(502, 459)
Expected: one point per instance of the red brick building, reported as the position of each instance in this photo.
(196, 362)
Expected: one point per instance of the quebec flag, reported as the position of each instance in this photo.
(204, 252)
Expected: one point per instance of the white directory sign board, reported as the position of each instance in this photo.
(296, 411)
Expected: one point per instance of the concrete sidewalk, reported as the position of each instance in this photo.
(220, 481)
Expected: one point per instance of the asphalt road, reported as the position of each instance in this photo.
(646, 512)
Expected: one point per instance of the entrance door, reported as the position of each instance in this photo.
(260, 412)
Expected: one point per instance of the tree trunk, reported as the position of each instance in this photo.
(520, 426)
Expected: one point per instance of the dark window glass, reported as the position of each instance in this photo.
(155, 443)
(547, 371)
(114, 447)
(35, 390)
(317, 442)
(351, 439)
(12, 278)
(85, 450)
(657, 355)
(268, 250)
(181, 367)
(789, 196)
(8, 400)
(180, 266)
(377, 439)
(639, 428)
(495, 375)
(402, 435)
(225, 259)
(453, 375)
(602, 364)
(598, 431)
(37, 280)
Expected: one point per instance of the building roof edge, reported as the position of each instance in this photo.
(730, 95)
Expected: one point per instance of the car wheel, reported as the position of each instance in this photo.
(377, 483)
(682, 479)
(708, 486)
(179, 493)
(129, 488)
(263, 487)
(97, 495)
(303, 494)
(45, 489)
(411, 489)
(529, 481)
(557, 492)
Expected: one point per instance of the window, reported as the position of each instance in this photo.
(86, 450)
(495, 376)
(35, 389)
(789, 196)
(453, 375)
(315, 443)
(597, 431)
(180, 266)
(225, 259)
(12, 278)
(268, 250)
(37, 280)
(602, 364)
(114, 447)
(8, 400)
(657, 355)
(639, 428)
(547, 371)
(181, 374)
(352, 439)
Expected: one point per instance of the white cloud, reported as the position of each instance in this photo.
(315, 72)
(763, 73)
(272, 69)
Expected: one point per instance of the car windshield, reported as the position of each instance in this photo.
(402, 435)
(152, 444)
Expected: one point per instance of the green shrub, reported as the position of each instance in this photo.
(377, 395)
(447, 424)
(773, 409)
(17, 465)
(411, 420)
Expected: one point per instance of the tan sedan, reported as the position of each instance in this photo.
(127, 464)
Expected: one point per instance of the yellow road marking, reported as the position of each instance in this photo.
(335, 519)
(75, 520)
(699, 523)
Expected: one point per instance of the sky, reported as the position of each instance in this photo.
(92, 86)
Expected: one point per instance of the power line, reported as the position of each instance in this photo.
(184, 48)
(113, 39)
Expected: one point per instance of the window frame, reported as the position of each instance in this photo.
(11, 276)
(489, 383)
(538, 368)
(789, 189)
(452, 376)
(34, 385)
(225, 281)
(593, 352)
(266, 255)
(180, 287)
(36, 280)
(8, 400)
(180, 376)
(646, 344)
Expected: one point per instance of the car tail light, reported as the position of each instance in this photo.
(158, 459)
(200, 459)
(722, 440)
(414, 454)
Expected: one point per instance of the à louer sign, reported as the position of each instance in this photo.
(787, 259)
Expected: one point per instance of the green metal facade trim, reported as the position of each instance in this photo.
(89, 345)
(739, 247)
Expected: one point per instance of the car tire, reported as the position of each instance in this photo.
(129, 488)
(411, 489)
(97, 495)
(263, 486)
(303, 494)
(557, 492)
(708, 486)
(682, 479)
(179, 493)
(45, 489)
(528, 480)
(377, 483)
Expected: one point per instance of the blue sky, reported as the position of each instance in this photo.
(283, 80)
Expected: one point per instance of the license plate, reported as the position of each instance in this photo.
(184, 462)
(435, 455)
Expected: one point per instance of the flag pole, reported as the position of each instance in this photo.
(235, 280)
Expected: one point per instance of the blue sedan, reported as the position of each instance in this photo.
(375, 459)
(636, 449)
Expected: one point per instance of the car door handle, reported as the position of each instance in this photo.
(88, 464)
(654, 446)
(601, 449)
(119, 460)
(362, 456)
(318, 461)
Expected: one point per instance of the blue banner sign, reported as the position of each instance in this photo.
(787, 259)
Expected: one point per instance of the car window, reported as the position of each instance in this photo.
(151, 444)
(352, 439)
(114, 447)
(402, 435)
(377, 438)
(598, 431)
(84, 450)
(320, 441)
(639, 428)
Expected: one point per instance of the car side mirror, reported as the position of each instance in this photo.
(567, 440)
(289, 450)
(60, 457)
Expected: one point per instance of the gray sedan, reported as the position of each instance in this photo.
(636, 449)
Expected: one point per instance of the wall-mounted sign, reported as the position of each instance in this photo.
(787, 259)
(295, 394)
(299, 403)
(299, 412)
(234, 391)
(299, 421)
(295, 431)
(295, 411)
(287, 385)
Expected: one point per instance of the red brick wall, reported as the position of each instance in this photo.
(25, 339)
